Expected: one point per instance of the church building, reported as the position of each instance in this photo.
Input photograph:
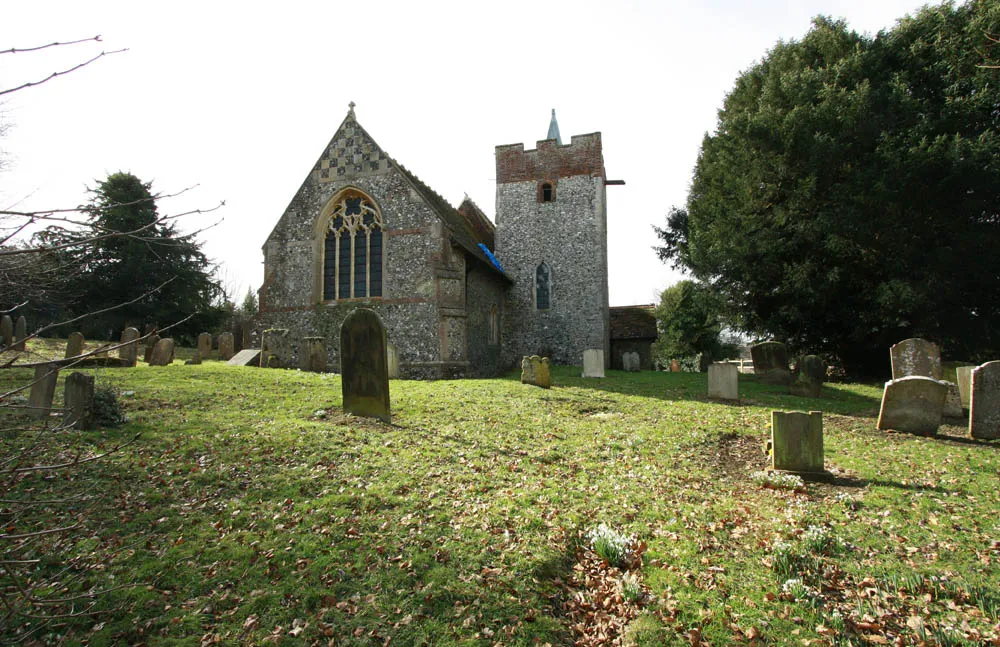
(459, 296)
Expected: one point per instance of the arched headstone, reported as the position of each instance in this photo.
(364, 366)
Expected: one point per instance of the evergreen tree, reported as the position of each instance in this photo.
(688, 323)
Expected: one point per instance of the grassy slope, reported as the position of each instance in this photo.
(251, 509)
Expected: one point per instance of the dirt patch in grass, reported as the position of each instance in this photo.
(736, 456)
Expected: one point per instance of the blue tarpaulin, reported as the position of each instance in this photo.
(489, 255)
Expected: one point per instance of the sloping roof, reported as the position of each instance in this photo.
(633, 322)
(484, 228)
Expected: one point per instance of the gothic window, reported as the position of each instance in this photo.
(352, 265)
(494, 323)
(546, 193)
(543, 287)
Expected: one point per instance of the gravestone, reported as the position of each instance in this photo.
(952, 402)
(312, 355)
(151, 343)
(274, 348)
(984, 407)
(723, 381)
(128, 353)
(20, 333)
(74, 344)
(163, 353)
(364, 366)
(770, 362)
(913, 404)
(246, 357)
(195, 359)
(537, 370)
(6, 331)
(915, 357)
(78, 399)
(809, 382)
(246, 338)
(630, 362)
(675, 366)
(797, 442)
(593, 362)
(42, 389)
(226, 346)
(204, 345)
(392, 356)
(963, 377)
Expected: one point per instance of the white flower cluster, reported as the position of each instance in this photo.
(631, 587)
(798, 590)
(778, 480)
(609, 544)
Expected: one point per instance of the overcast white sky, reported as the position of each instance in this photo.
(241, 98)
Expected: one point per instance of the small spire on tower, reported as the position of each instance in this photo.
(554, 129)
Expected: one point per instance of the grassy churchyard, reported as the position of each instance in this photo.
(251, 510)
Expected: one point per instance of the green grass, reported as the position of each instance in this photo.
(252, 510)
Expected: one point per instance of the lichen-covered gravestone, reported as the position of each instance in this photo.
(536, 370)
(809, 382)
(20, 333)
(151, 343)
(797, 442)
(364, 366)
(163, 353)
(6, 331)
(770, 362)
(74, 344)
(984, 408)
(204, 345)
(915, 357)
(593, 362)
(723, 381)
(913, 404)
(226, 346)
(42, 389)
(963, 377)
(274, 348)
(78, 398)
(312, 355)
(128, 354)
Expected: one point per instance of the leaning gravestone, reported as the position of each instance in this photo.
(915, 357)
(151, 343)
(274, 348)
(963, 377)
(74, 344)
(128, 354)
(204, 345)
(78, 399)
(226, 346)
(797, 442)
(246, 357)
(20, 333)
(392, 357)
(913, 404)
(770, 362)
(723, 381)
(312, 355)
(163, 353)
(6, 331)
(809, 382)
(536, 370)
(364, 366)
(593, 362)
(42, 389)
(984, 408)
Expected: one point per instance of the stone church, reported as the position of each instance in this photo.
(459, 296)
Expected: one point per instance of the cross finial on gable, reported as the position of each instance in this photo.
(350, 109)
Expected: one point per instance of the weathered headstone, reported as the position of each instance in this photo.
(204, 345)
(226, 346)
(364, 366)
(274, 348)
(809, 382)
(195, 359)
(913, 404)
(74, 344)
(984, 407)
(593, 362)
(952, 402)
(129, 353)
(770, 362)
(630, 361)
(915, 357)
(151, 343)
(246, 357)
(797, 442)
(537, 370)
(963, 377)
(78, 399)
(392, 357)
(312, 354)
(723, 381)
(20, 333)
(163, 353)
(675, 366)
(6, 331)
(42, 389)
(246, 336)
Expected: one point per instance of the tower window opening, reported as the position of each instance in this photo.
(547, 194)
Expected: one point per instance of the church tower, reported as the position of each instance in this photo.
(551, 238)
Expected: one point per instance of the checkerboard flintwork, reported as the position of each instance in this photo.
(351, 155)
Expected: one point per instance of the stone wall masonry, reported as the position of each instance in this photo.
(482, 292)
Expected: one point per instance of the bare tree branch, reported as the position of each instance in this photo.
(62, 73)
(15, 50)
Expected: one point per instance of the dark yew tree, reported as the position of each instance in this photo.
(850, 196)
